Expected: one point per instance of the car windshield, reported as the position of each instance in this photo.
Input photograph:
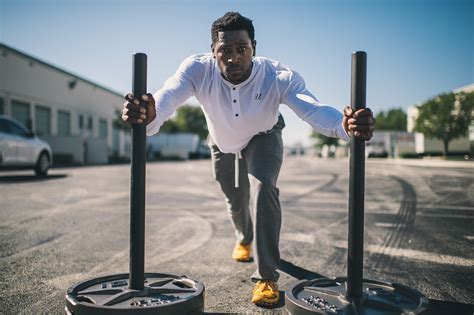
(11, 127)
(3, 126)
(18, 130)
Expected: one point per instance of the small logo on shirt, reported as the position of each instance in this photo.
(258, 96)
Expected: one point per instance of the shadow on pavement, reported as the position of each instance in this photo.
(15, 179)
(437, 307)
(298, 272)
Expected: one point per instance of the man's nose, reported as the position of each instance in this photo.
(233, 58)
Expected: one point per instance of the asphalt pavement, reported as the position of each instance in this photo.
(74, 225)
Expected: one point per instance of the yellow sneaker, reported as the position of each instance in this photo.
(241, 252)
(266, 293)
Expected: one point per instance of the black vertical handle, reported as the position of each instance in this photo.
(137, 189)
(356, 182)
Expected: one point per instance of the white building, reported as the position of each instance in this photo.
(427, 145)
(73, 114)
(182, 146)
(390, 144)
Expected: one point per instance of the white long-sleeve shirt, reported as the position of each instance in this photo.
(236, 113)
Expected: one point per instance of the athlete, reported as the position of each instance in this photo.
(240, 95)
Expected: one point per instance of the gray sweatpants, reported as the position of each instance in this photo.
(254, 206)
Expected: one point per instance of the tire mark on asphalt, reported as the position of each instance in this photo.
(37, 245)
(74, 195)
(325, 187)
(403, 223)
(286, 249)
(335, 257)
(187, 220)
(30, 220)
(451, 188)
(154, 256)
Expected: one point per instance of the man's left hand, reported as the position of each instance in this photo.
(361, 122)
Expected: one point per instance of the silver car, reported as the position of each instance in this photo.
(21, 149)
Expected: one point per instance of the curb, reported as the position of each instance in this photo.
(425, 163)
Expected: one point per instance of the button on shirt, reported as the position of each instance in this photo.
(237, 112)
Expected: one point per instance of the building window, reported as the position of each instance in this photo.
(103, 129)
(81, 123)
(2, 109)
(90, 125)
(64, 123)
(115, 141)
(42, 120)
(21, 112)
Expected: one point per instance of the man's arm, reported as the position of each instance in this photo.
(323, 118)
(160, 106)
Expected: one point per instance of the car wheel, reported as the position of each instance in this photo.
(42, 166)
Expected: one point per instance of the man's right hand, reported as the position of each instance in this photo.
(133, 113)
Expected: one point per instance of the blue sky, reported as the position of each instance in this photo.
(416, 48)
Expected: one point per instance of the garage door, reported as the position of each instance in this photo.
(21, 112)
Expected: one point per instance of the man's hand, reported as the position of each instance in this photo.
(133, 113)
(361, 122)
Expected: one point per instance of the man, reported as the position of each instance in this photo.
(240, 96)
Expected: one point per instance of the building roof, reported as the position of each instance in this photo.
(54, 67)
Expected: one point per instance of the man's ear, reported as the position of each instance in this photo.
(254, 45)
(212, 50)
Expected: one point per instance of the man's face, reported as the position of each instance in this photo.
(233, 51)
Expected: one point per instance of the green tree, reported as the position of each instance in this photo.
(323, 140)
(188, 119)
(118, 123)
(446, 117)
(170, 126)
(191, 119)
(394, 119)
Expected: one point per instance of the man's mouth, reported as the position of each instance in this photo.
(234, 70)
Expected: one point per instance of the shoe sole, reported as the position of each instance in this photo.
(267, 303)
(242, 259)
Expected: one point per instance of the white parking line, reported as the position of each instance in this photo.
(375, 212)
(310, 237)
(388, 225)
(446, 216)
(374, 203)
(414, 254)
(445, 207)
(298, 237)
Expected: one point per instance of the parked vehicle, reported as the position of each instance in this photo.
(375, 149)
(21, 149)
(181, 146)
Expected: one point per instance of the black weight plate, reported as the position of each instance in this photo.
(162, 294)
(328, 296)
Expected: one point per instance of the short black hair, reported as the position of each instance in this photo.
(232, 21)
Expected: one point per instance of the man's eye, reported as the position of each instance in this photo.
(242, 49)
(224, 50)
